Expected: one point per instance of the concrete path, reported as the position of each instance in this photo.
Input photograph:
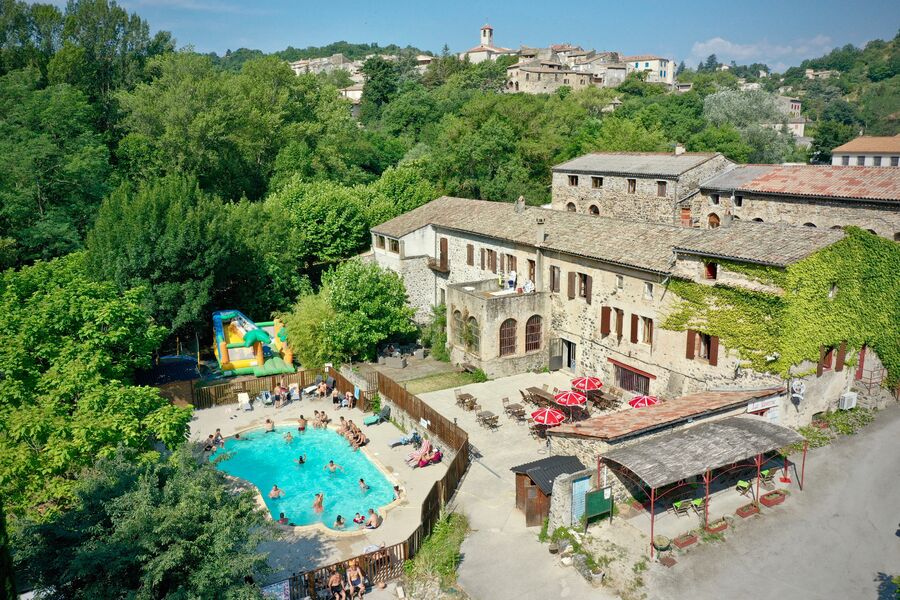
(839, 538)
(501, 557)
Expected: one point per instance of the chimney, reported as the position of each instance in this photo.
(541, 230)
(679, 149)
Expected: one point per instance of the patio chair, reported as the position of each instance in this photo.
(244, 401)
(492, 423)
(767, 477)
(699, 505)
(505, 402)
(526, 398)
(743, 487)
(471, 404)
(546, 387)
(681, 507)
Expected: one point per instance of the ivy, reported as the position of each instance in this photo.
(848, 292)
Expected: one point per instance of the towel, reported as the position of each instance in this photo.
(416, 456)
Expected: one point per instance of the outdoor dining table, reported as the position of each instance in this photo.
(514, 408)
(542, 395)
(465, 397)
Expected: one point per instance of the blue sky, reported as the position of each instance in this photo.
(780, 33)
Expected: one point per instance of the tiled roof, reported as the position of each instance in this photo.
(867, 143)
(638, 244)
(763, 243)
(736, 177)
(813, 181)
(639, 420)
(643, 57)
(648, 164)
(545, 470)
(495, 49)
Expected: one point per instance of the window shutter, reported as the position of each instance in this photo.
(587, 288)
(650, 331)
(620, 325)
(634, 329)
(482, 259)
(713, 350)
(842, 354)
(492, 258)
(571, 285)
(470, 255)
(820, 366)
(691, 340)
(604, 320)
(502, 262)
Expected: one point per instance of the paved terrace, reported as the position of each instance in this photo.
(306, 548)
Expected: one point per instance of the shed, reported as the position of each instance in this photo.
(534, 484)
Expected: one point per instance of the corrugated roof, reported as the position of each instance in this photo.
(681, 454)
(632, 421)
(647, 164)
(764, 243)
(545, 470)
(869, 143)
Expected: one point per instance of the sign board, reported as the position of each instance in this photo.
(579, 490)
(424, 422)
(762, 404)
(598, 503)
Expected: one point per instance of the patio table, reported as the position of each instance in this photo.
(541, 395)
(512, 409)
(465, 396)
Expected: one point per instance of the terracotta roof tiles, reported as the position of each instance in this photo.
(871, 144)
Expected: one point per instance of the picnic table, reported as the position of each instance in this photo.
(602, 400)
(486, 418)
(540, 395)
(512, 409)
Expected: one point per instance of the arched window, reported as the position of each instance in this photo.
(458, 328)
(757, 220)
(474, 335)
(839, 227)
(594, 210)
(570, 207)
(713, 220)
(508, 337)
(533, 333)
(809, 224)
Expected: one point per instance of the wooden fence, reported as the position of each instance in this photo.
(387, 563)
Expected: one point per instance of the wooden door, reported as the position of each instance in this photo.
(533, 514)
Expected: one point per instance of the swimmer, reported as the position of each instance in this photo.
(319, 502)
(301, 460)
(331, 467)
(288, 438)
(276, 492)
(363, 486)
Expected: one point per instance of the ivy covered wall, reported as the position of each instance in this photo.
(848, 291)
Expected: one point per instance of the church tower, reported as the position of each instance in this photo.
(487, 36)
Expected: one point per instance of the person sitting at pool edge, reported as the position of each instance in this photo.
(331, 467)
(270, 426)
(301, 424)
(218, 440)
(363, 486)
(319, 503)
(374, 520)
(396, 492)
(276, 492)
(336, 585)
(339, 522)
(210, 443)
(356, 579)
(301, 460)
(282, 520)
(359, 519)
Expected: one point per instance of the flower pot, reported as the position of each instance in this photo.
(747, 510)
(684, 540)
(772, 498)
(717, 526)
(597, 578)
(554, 548)
(661, 543)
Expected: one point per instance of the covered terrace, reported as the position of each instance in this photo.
(679, 470)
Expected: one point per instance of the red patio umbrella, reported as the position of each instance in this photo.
(642, 401)
(548, 416)
(587, 383)
(570, 398)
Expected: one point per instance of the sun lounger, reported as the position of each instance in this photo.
(413, 438)
(381, 417)
(244, 401)
(265, 397)
(294, 391)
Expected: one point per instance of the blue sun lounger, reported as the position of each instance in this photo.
(381, 417)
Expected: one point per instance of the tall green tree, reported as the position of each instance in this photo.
(7, 579)
(167, 529)
(828, 136)
(70, 347)
(382, 82)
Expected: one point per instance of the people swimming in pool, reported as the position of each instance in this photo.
(301, 424)
(270, 426)
(301, 460)
(359, 519)
(331, 467)
(339, 522)
(282, 520)
(363, 486)
(276, 492)
(319, 503)
(288, 438)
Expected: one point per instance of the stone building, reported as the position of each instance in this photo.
(544, 77)
(633, 185)
(868, 151)
(809, 195)
(657, 68)
(485, 50)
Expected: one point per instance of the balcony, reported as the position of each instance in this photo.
(439, 265)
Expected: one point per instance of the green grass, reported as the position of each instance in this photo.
(439, 555)
(440, 381)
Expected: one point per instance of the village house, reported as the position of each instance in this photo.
(647, 186)
(605, 68)
(869, 151)
(814, 196)
(486, 50)
(544, 77)
(657, 68)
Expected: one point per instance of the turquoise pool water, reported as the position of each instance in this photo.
(265, 459)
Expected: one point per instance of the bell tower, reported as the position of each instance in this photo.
(487, 35)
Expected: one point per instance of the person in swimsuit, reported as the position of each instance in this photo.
(356, 580)
(331, 467)
(335, 585)
(301, 424)
(363, 486)
(359, 519)
(270, 426)
(218, 440)
(339, 523)
(372, 522)
(336, 398)
(301, 460)
(288, 438)
(276, 492)
(319, 502)
(282, 520)
(323, 389)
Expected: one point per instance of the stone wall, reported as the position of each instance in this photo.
(545, 83)
(561, 498)
(880, 218)
(408, 424)
(421, 286)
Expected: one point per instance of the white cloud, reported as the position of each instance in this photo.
(762, 51)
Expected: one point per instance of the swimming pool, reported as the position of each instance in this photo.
(265, 459)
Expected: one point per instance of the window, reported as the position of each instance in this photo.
(845, 161)
(631, 381)
(582, 285)
(702, 346)
(379, 241)
(492, 260)
(511, 263)
(632, 186)
(661, 189)
(570, 207)
(554, 279)
(704, 343)
(596, 182)
(895, 161)
(470, 255)
(648, 290)
(395, 246)
(620, 282)
(508, 337)
(710, 270)
(757, 220)
(531, 270)
(713, 220)
(620, 322)
(738, 201)
(828, 358)
(714, 199)
(686, 217)
(876, 161)
(809, 224)
(646, 330)
(860, 160)
(474, 335)
(573, 180)
(458, 328)
(594, 210)
(533, 333)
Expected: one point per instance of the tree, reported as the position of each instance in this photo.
(725, 139)
(54, 170)
(7, 580)
(382, 82)
(370, 307)
(70, 346)
(680, 69)
(829, 135)
(399, 190)
(625, 135)
(711, 64)
(168, 529)
(741, 109)
(308, 335)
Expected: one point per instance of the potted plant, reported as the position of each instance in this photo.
(661, 543)
(747, 510)
(773, 498)
(684, 540)
(717, 526)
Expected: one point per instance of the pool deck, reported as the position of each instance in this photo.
(304, 548)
